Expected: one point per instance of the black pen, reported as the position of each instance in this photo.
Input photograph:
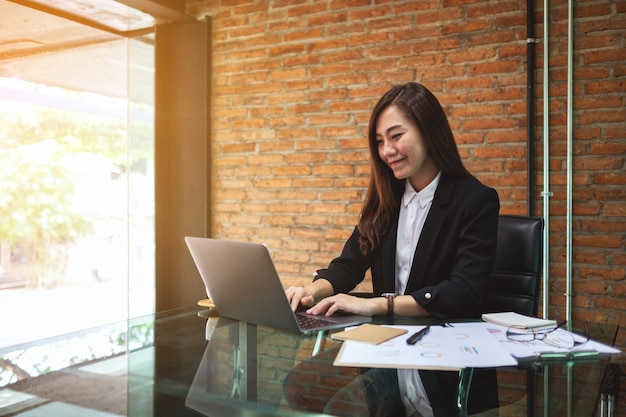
(417, 336)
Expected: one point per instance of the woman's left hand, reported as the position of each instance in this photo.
(347, 304)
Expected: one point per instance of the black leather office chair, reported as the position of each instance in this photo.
(515, 282)
(516, 278)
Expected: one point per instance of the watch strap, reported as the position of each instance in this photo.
(390, 302)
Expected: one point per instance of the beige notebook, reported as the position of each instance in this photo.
(369, 333)
(519, 321)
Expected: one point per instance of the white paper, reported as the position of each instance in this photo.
(536, 347)
(465, 345)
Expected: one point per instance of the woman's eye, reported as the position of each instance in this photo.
(396, 136)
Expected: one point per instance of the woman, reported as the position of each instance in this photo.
(427, 231)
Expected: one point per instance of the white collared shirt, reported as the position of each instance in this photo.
(414, 209)
(413, 212)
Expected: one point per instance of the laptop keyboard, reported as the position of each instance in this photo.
(308, 322)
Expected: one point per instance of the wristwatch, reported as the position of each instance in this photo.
(390, 297)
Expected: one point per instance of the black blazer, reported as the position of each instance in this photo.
(452, 264)
(453, 259)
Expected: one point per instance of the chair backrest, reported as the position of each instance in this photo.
(516, 279)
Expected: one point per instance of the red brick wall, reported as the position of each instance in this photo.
(294, 82)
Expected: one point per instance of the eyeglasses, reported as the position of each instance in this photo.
(554, 337)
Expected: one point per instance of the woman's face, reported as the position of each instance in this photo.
(402, 148)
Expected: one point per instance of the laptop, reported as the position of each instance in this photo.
(241, 280)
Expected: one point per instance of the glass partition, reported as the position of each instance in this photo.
(76, 179)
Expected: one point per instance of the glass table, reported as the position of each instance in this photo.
(191, 362)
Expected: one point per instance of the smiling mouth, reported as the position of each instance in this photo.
(395, 163)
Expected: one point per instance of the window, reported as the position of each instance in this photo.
(77, 178)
